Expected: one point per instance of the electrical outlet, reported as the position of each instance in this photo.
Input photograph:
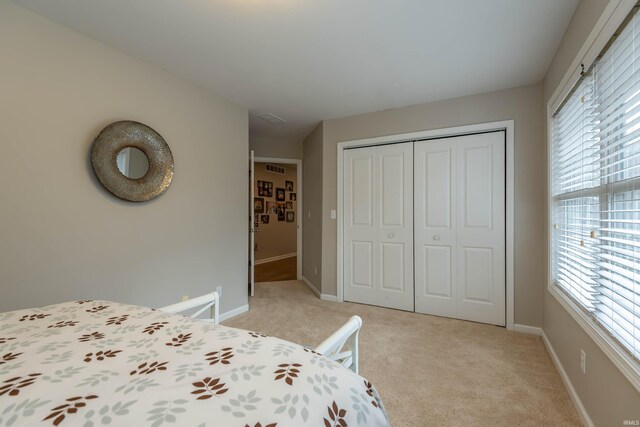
(185, 297)
(583, 361)
(219, 291)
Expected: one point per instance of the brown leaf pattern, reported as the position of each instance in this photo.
(8, 357)
(154, 327)
(179, 340)
(97, 308)
(221, 356)
(12, 386)
(31, 317)
(59, 413)
(101, 355)
(91, 337)
(5, 340)
(117, 320)
(288, 372)
(149, 368)
(86, 301)
(260, 425)
(62, 324)
(208, 388)
(336, 416)
(369, 387)
(256, 334)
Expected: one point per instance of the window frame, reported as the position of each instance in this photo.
(611, 19)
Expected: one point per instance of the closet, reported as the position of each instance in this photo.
(424, 226)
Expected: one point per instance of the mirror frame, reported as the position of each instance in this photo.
(124, 134)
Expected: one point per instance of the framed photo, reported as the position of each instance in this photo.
(291, 216)
(258, 205)
(288, 185)
(272, 208)
(260, 191)
(289, 205)
(281, 213)
(264, 219)
(268, 192)
(292, 197)
(260, 184)
(256, 223)
(280, 194)
(268, 184)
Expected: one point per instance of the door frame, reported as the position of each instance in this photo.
(505, 125)
(298, 163)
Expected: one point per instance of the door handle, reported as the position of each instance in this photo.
(391, 235)
(436, 237)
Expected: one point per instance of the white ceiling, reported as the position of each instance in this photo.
(308, 60)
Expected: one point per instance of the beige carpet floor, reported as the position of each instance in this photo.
(430, 371)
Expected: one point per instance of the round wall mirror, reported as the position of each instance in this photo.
(132, 163)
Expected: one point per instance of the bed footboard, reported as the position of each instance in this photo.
(205, 302)
(342, 345)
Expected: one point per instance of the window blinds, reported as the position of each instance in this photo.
(595, 185)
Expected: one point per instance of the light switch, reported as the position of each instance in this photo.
(309, 214)
(333, 214)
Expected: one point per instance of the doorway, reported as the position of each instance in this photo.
(276, 227)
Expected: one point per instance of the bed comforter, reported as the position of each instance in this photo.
(93, 363)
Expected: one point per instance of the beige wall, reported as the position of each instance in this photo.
(281, 148)
(312, 204)
(607, 396)
(523, 105)
(62, 236)
(278, 237)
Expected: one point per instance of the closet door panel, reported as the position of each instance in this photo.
(378, 233)
(435, 232)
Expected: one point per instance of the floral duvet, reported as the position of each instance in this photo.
(93, 363)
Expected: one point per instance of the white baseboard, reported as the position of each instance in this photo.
(526, 329)
(332, 298)
(310, 286)
(582, 412)
(233, 313)
(275, 258)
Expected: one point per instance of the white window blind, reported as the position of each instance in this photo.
(595, 184)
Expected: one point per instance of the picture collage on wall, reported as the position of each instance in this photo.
(283, 207)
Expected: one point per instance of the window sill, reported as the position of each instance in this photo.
(628, 366)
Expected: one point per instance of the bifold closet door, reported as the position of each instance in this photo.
(378, 226)
(460, 227)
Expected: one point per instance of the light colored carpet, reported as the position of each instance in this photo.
(430, 371)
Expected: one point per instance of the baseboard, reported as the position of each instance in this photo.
(325, 297)
(582, 412)
(233, 313)
(526, 329)
(274, 258)
(310, 286)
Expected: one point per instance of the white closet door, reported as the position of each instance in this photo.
(378, 226)
(460, 227)
(435, 227)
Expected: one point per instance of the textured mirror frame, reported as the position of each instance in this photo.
(120, 135)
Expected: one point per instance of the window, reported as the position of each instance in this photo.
(595, 186)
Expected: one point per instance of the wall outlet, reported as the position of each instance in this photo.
(309, 214)
(583, 361)
(315, 270)
(219, 291)
(333, 214)
(185, 297)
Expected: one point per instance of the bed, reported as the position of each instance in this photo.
(95, 363)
